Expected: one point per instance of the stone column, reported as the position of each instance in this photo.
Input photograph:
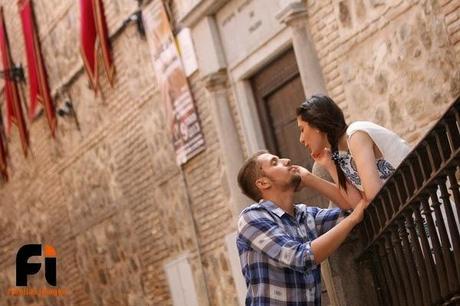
(232, 154)
(294, 15)
(212, 65)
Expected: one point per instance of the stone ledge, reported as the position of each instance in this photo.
(292, 11)
(202, 9)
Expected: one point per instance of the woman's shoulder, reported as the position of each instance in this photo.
(391, 145)
(365, 126)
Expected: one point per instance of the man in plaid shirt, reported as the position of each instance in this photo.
(282, 244)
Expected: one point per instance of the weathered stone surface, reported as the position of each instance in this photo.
(402, 72)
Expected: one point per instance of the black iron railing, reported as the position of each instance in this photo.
(411, 229)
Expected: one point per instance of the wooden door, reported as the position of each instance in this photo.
(278, 92)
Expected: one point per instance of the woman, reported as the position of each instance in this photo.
(359, 156)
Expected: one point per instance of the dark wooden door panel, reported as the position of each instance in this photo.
(289, 146)
(283, 102)
(278, 91)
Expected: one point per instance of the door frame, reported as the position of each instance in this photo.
(267, 127)
(240, 74)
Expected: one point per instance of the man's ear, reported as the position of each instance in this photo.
(263, 183)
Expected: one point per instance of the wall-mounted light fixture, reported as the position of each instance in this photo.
(137, 18)
(68, 110)
(15, 74)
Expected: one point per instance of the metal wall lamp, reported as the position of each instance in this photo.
(15, 74)
(137, 18)
(68, 110)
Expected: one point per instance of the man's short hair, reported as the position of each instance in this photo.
(249, 172)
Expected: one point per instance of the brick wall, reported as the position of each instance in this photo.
(110, 197)
(450, 9)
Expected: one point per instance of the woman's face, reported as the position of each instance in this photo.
(313, 139)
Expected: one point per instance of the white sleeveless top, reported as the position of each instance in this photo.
(393, 148)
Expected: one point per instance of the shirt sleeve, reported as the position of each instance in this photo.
(325, 219)
(263, 234)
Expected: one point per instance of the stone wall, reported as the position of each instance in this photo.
(408, 78)
(392, 62)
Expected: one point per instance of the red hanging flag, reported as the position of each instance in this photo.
(13, 103)
(95, 40)
(38, 81)
(3, 152)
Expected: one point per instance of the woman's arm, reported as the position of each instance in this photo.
(351, 195)
(361, 148)
(327, 189)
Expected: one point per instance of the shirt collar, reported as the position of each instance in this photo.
(269, 205)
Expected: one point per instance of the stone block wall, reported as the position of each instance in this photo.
(391, 62)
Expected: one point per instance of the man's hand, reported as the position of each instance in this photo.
(326, 244)
(358, 212)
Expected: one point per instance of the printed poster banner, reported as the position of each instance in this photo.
(180, 111)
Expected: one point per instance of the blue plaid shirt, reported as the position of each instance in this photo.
(275, 253)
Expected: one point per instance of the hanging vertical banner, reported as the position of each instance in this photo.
(3, 166)
(181, 115)
(14, 114)
(3, 151)
(38, 81)
(95, 41)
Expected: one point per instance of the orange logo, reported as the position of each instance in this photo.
(25, 269)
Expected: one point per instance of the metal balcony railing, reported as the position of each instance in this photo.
(411, 229)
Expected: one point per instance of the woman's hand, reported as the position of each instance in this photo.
(305, 175)
(327, 189)
(323, 158)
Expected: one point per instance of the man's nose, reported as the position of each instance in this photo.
(301, 139)
(287, 162)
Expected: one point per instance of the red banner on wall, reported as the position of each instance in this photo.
(38, 81)
(181, 115)
(3, 151)
(95, 40)
(14, 114)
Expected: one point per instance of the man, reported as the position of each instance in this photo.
(281, 245)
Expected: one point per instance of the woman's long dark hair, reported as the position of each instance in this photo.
(322, 113)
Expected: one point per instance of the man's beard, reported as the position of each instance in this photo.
(295, 182)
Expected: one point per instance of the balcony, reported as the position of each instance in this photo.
(410, 240)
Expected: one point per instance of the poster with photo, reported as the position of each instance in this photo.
(181, 114)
